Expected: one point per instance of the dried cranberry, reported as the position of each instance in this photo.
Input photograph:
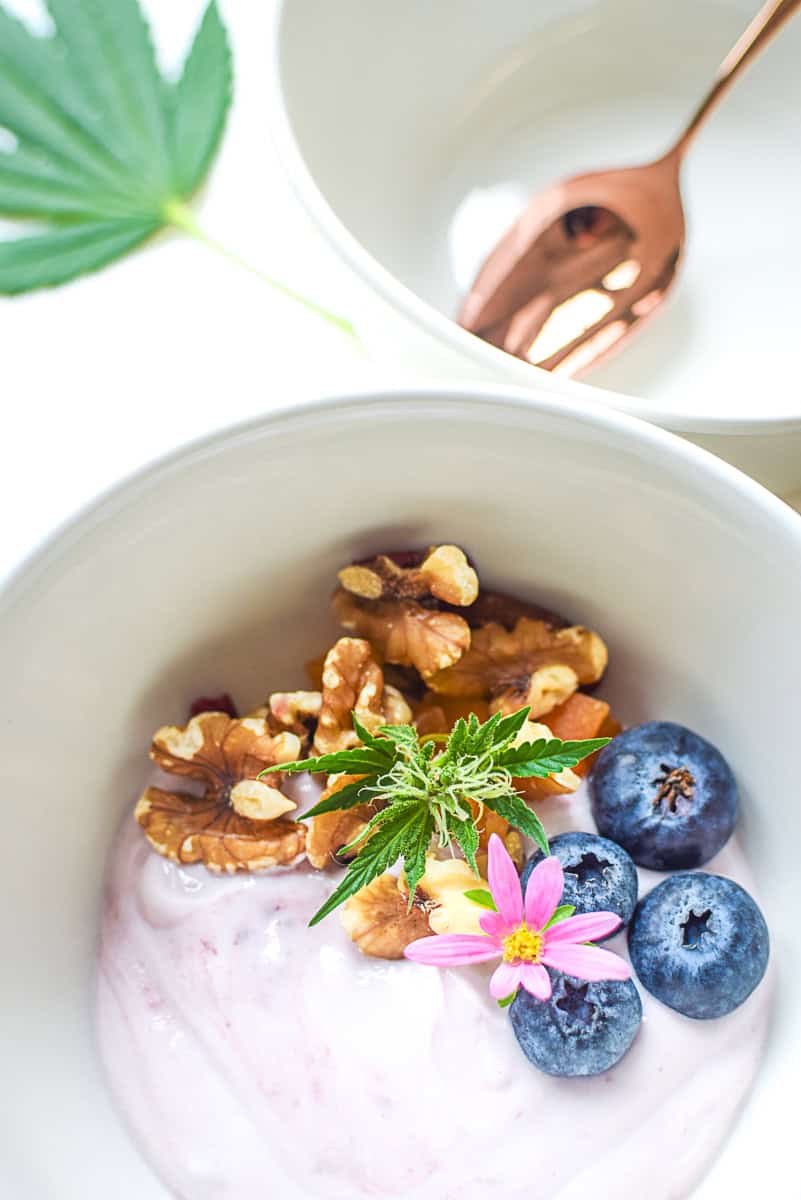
(222, 703)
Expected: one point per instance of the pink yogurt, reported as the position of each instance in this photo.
(254, 1057)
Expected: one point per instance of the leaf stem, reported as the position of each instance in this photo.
(181, 217)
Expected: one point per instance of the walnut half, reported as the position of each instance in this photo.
(381, 923)
(329, 832)
(441, 892)
(405, 632)
(379, 920)
(443, 573)
(354, 682)
(295, 711)
(544, 690)
(239, 823)
(533, 663)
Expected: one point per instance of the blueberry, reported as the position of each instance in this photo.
(665, 794)
(584, 1029)
(699, 943)
(599, 875)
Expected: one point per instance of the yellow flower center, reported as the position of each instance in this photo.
(524, 945)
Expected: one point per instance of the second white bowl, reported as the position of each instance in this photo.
(415, 133)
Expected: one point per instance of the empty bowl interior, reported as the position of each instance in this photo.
(425, 127)
(209, 572)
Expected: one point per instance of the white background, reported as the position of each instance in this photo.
(173, 341)
(104, 374)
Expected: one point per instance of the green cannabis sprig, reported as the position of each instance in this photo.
(427, 794)
(101, 151)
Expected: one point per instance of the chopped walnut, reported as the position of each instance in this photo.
(405, 632)
(443, 573)
(396, 710)
(329, 832)
(501, 664)
(353, 682)
(545, 689)
(441, 893)
(295, 711)
(379, 920)
(257, 799)
(449, 576)
(405, 680)
(238, 824)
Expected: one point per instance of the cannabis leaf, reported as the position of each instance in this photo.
(347, 797)
(465, 833)
(424, 794)
(547, 757)
(405, 833)
(105, 147)
(103, 150)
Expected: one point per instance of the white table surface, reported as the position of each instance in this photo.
(173, 342)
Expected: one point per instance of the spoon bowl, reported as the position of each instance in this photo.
(592, 257)
(588, 260)
(489, 104)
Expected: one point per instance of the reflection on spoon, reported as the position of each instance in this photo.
(592, 257)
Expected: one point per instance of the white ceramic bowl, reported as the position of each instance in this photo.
(206, 571)
(414, 132)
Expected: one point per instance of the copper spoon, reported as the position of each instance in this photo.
(590, 258)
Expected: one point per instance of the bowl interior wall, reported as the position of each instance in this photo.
(210, 573)
(425, 128)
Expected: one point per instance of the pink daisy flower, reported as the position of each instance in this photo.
(520, 935)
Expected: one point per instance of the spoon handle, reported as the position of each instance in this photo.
(765, 24)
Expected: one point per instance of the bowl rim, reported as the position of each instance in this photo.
(728, 488)
(360, 402)
(440, 327)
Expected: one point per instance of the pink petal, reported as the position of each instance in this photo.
(586, 962)
(536, 980)
(505, 980)
(504, 882)
(452, 949)
(544, 891)
(584, 928)
(494, 925)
